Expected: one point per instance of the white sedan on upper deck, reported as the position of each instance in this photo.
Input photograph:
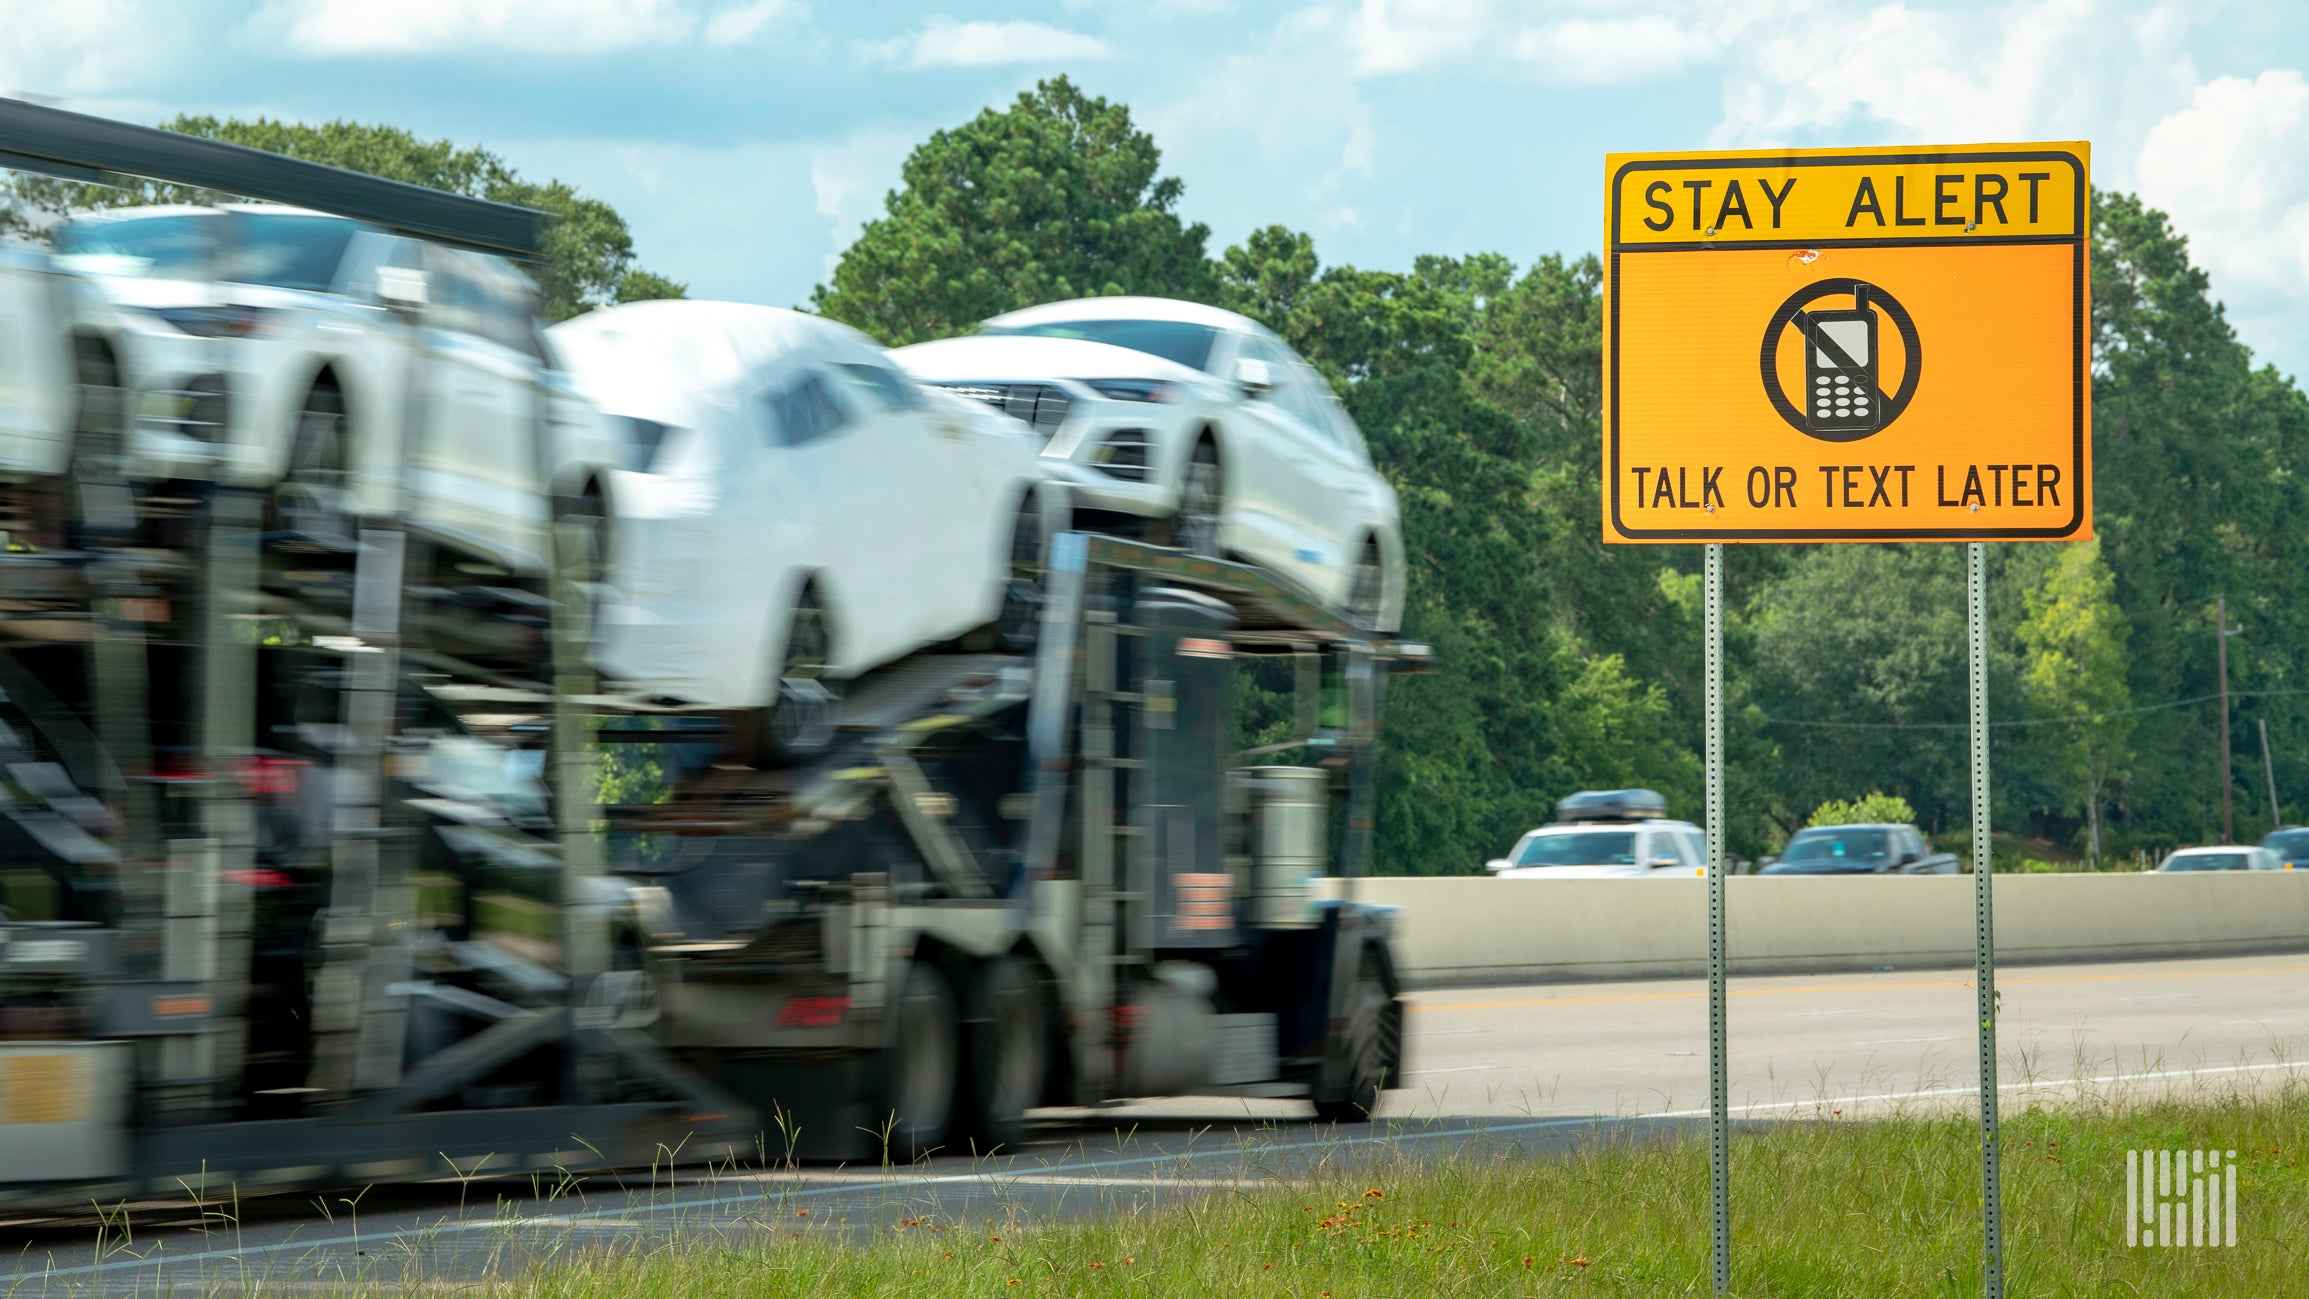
(1199, 420)
(805, 514)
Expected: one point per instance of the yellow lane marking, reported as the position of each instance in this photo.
(1856, 987)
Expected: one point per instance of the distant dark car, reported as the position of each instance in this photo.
(2233, 858)
(2291, 844)
(1861, 850)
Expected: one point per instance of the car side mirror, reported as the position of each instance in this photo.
(1256, 377)
(402, 289)
(1666, 860)
(1909, 859)
(1496, 864)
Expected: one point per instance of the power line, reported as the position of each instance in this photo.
(2029, 721)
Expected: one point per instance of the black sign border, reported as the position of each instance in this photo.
(2080, 339)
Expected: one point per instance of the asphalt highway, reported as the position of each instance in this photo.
(1538, 1068)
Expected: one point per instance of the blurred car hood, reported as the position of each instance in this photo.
(996, 357)
(1582, 872)
(1828, 868)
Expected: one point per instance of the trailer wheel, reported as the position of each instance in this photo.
(924, 1055)
(1008, 1040)
(1374, 1047)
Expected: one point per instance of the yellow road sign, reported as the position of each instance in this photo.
(1842, 345)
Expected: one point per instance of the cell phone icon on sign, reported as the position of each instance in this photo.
(1840, 367)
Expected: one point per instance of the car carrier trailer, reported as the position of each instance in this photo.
(256, 941)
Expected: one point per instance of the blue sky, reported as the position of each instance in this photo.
(747, 140)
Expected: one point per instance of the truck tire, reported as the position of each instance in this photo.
(1372, 1051)
(1007, 1040)
(923, 1061)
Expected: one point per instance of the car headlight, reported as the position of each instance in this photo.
(1134, 389)
(214, 322)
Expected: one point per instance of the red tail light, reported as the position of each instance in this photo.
(271, 777)
(812, 1012)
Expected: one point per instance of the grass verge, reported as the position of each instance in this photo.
(1825, 1208)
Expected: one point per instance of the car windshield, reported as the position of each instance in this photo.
(1577, 848)
(1837, 845)
(181, 246)
(2292, 845)
(2206, 861)
(287, 250)
(282, 250)
(1182, 341)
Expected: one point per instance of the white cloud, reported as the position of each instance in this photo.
(2044, 69)
(2232, 170)
(1396, 36)
(741, 23)
(418, 27)
(943, 42)
(1611, 51)
(93, 49)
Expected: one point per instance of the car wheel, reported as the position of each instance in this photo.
(1373, 1050)
(314, 497)
(1202, 502)
(1022, 586)
(1368, 596)
(98, 501)
(925, 1034)
(799, 717)
(1008, 1041)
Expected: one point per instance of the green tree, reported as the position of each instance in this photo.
(1054, 197)
(2074, 636)
(1872, 808)
(586, 258)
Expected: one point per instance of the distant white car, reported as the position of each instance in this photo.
(1199, 420)
(346, 371)
(1641, 850)
(806, 512)
(1607, 834)
(2235, 857)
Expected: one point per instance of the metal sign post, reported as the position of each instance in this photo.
(1983, 915)
(1719, 1099)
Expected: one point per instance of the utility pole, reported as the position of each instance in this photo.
(2269, 773)
(2222, 632)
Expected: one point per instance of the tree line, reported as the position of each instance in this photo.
(1568, 664)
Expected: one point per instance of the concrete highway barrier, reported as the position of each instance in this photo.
(1473, 930)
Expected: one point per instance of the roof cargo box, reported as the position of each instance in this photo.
(1611, 805)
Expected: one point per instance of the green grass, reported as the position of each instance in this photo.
(1829, 1208)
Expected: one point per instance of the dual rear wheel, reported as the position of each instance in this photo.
(963, 1068)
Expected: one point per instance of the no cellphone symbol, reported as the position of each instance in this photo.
(1843, 398)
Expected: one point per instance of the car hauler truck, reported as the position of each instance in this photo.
(266, 929)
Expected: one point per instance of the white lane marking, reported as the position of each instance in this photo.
(1447, 1032)
(1462, 1068)
(2034, 1084)
(1901, 1041)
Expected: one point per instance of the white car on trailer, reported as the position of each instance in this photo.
(803, 511)
(1200, 422)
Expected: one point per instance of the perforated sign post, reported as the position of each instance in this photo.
(1849, 345)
